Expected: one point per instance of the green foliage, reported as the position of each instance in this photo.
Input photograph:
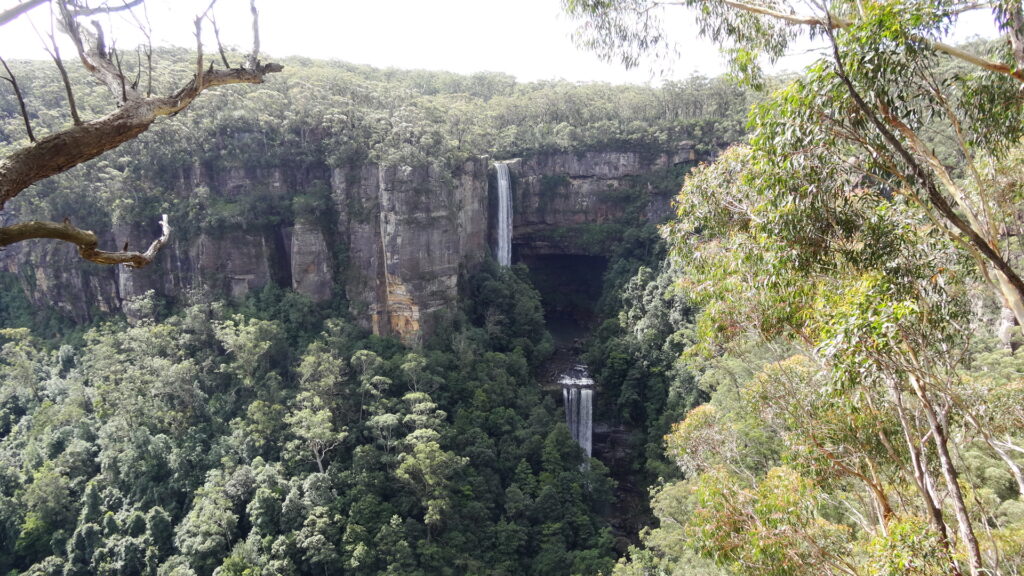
(503, 302)
(319, 115)
(837, 260)
(909, 548)
(257, 441)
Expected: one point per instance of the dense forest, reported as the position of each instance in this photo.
(815, 360)
(272, 435)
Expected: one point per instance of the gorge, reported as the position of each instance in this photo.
(415, 323)
(327, 355)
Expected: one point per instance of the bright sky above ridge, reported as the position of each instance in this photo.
(530, 39)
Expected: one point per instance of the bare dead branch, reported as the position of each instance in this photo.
(63, 150)
(74, 32)
(21, 100)
(199, 49)
(100, 42)
(220, 45)
(105, 9)
(254, 58)
(87, 140)
(93, 52)
(138, 69)
(54, 53)
(149, 68)
(199, 42)
(12, 13)
(147, 49)
(85, 240)
(115, 56)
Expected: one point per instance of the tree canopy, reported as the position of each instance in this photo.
(889, 107)
(838, 259)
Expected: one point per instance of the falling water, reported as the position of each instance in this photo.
(578, 394)
(504, 214)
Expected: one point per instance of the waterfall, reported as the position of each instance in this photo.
(504, 254)
(585, 436)
(578, 395)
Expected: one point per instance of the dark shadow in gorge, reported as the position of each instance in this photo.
(570, 287)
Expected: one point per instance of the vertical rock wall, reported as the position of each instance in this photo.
(410, 232)
(555, 194)
(393, 241)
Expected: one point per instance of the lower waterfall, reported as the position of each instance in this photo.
(578, 394)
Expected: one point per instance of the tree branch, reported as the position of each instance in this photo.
(85, 240)
(54, 53)
(254, 58)
(12, 13)
(838, 23)
(968, 235)
(86, 11)
(84, 141)
(21, 100)
(220, 46)
(63, 150)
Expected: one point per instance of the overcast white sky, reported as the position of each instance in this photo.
(530, 39)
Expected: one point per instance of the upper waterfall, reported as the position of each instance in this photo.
(504, 248)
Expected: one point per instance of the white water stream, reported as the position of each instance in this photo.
(578, 394)
(504, 249)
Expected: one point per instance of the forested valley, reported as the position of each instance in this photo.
(809, 363)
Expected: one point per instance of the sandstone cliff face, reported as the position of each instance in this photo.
(310, 261)
(231, 261)
(53, 276)
(555, 193)
(410, 232)
(394, 240)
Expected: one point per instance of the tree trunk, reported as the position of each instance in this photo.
(1012, 315)
(949, 472)
(921, 481)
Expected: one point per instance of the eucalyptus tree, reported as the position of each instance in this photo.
(871, 110)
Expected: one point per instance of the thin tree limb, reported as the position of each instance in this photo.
(838, 23)
(59, 152)
(12, 13)
(86, 241)
(21, 100)
(54, 53)
(254, 58)
(87, 140)
(220, 46)
(86, 11)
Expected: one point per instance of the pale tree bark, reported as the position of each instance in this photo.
(921, 479)
(86, 140)
(949, 472)
(86, 241)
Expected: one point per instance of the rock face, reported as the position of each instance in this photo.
(309, 261)
(394, 241)
(410, 232)
(557, 195)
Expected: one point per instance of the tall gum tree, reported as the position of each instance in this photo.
(136, 110)
(886, 91)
